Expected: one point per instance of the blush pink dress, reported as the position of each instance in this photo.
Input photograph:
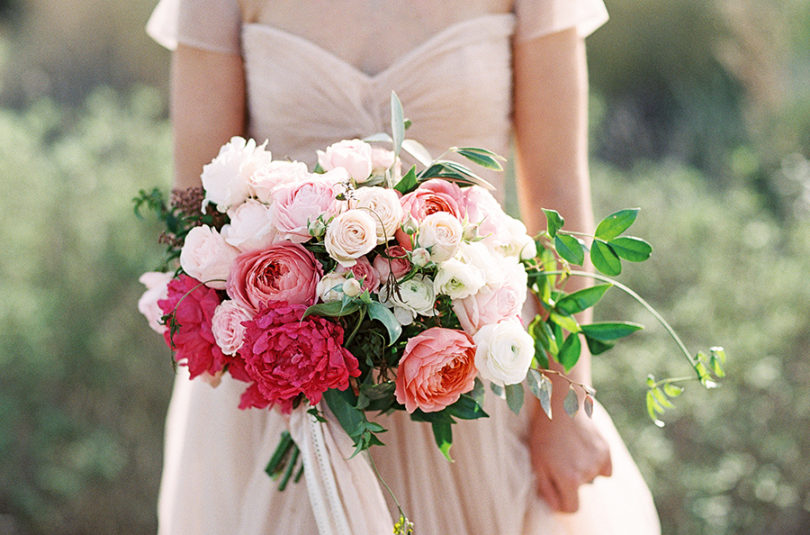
(455, 85)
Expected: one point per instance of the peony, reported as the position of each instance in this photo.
(286, 356)
(457, 279)
(395, 260)
(227, 327)
(505, 352)
(156, 289)
(295, 205)
(349, 236)
(226, 179)
(437, 366)
(268, 178)
(207, 257)
(441, 234)
(353, 155)
(251, 226)
(283, 272)
(383, 205)
(192, 307)
(365, 272)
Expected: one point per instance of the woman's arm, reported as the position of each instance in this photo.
(551, 127)
(207, 108)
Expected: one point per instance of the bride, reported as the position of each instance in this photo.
(306, 73)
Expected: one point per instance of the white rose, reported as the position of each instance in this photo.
(227, 328)
(504, 352)
(457, 279)
(327, 288)
(413, 296)
(278, 173)
(350, 235)
(354, 155)
(206, 257)
(226, 179)
(156, 289)
(384, 206)
(251, 227)
(441, 234)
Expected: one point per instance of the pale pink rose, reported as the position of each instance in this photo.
(395, 260)
(282, 272)
(349, 236)
(226, 179)
(251, 226)
(156, 289)
(504, 352)
(226, 325)
(489, 305)
(433, 196)
(354, 155)
(383, 205)
(382, 160)
(295, 205)
(364, 272)
(441, 234)
(437, 366)
(207, 257)
(277, 173)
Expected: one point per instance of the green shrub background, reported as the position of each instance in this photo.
(700, 116)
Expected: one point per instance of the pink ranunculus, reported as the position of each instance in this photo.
(251, 226)
(156, 289)
(437, 366)
(192, 306)
(433, 196)
(354, 155)
(226, 325)
(395, 260)
(296, 205)
(282, 272)
(286, 356)
(365, 272)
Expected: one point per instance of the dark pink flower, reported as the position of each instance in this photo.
(286, 356)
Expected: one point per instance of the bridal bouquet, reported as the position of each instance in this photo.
(370, 288)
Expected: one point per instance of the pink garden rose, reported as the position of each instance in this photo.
(394, 261)
(207, 257)
(192, 306)
(489, 305)
(282, 272)
(251, 226)
(286, 356)
(297, 204)
(438, 365)
(433, 196)
(226, 325)
(365, 272)
(353, 155)
(156, 289)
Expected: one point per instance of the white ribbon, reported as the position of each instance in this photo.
(344, 493)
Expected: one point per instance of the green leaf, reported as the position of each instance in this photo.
(408, 182)
(597, 347)
(477, 393)
(554, 222)
(397, 123)
(341, 403)
(653, 409)
(605, 259)
(540, 387)
(570, 248)
(467, 408)
(718, 352)
(514, 397)
(482, 157)
(497, 390)
(662, 399)
(570, 351)
(332, 309)
(443, 435)
(582, 299)
(672, 390)
(417, 150)
(606, 331)
(566, 322)
(631, 249)
(383, 314)
(439, 417)
(571, 402)
(616, 223)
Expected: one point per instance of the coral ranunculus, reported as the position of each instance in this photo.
(438, 365)
(286, 356)
(192, 305)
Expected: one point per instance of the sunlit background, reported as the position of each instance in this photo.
(700, 116)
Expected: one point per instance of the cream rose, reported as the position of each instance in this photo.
(251, 226)
(383, 205)
(504, 352)
(207, 257)
(350, 235)
(226, 179)
(440, 233)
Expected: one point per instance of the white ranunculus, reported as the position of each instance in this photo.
(413, 296)
(350, 235)
(328, 286)
(227, 178)
(206, 257)
(251, 227)
(504, 352)
(440, 233)
(457, 279)
(354, 155)
(384, 206)
(477, 255)
(277, 173)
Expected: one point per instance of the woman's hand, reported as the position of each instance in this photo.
(565, 453)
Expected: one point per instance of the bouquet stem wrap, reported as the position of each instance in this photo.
(336, 483)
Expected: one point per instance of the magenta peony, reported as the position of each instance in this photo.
(285, 356)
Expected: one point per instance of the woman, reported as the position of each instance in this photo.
(305, 73)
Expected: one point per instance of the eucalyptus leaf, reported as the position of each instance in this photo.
(514, 397)
(397, 123)
(379, 137)
(418, 151)
(610, 330)
(497, 390)
(570, 248)
(571, 403)
(540, 387)
(588, 405)
(443, 435)
(554, 221)
(631, 249)
(477, 393)
(582, 299)
(616, 223)
(605, 259)
(482, 157)
(570, 351)
(383, 314)
(332, 309)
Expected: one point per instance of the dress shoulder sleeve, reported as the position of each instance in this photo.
(213, 25)
(536, 18)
